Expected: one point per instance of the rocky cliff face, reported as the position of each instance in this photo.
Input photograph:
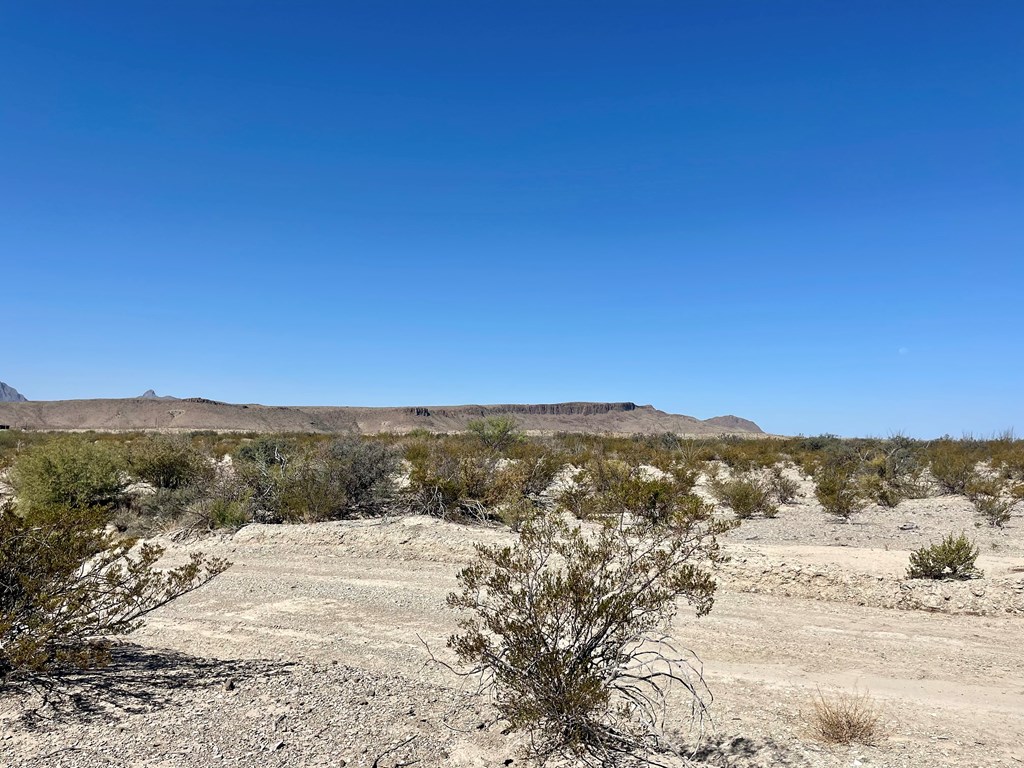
(9, 394)
(550, 409)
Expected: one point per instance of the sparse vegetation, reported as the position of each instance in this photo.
(992, 499)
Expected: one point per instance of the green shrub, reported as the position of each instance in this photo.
(785, 489)
(838, 490)
(567, 630)
(451, 480)
(609, 488)
(746, 495)
(66, 586)
(496, 433)
(342, 478)
(992, 499)
(953, 558)
(893, 473)
(952, 464)
(69, 471)
(167, 461)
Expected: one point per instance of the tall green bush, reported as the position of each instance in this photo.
(70, 471)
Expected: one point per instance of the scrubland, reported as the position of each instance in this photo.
(487, 598)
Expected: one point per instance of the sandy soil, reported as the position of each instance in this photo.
(310, 651)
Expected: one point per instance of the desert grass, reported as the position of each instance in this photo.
(847, 718)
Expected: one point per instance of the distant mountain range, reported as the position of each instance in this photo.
(9, 394)
(152, 412)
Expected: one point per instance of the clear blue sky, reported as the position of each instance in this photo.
(810, 214)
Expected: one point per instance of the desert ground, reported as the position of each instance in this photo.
(312, 650)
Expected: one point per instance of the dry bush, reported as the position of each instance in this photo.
(451, 479)
(609, 488)
(846, 718)
(892, 472)
(567, 630)
(785, 489)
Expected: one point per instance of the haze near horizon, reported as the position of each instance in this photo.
(808, 216)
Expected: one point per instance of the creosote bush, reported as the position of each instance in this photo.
(746, 494)
(567, 630)
(71, 471)
(785, 489)
(952, 558)
(838, 489)
(952, 464)
(992, 499)
(168, 461)
(66, 585)
(496, 433)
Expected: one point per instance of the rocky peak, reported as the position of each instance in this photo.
(9, 394)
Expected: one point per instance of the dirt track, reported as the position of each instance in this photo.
(350, 601)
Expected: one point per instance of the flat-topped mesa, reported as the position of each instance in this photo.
(200, 413)
(540, 409)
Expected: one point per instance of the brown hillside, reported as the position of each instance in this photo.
(200, 414)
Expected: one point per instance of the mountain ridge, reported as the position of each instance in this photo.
(196, 413)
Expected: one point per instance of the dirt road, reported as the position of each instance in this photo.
(350, 606)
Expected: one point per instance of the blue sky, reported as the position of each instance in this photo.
(810, 214)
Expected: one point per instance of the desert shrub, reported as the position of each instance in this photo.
(838, 490)
(450, 480)
(847, 719)
(744, 455)
(266, 449)
(608, 488)
(69, 471)
(685, 473)
(530, 470)
(992, 499)
(952, 558)
(784, 489)
(66, 585)
(567, 630)
(227, 503)
(893, 472)
(157, 510)
(341, 478)
(496, 433)
(167, 461)
(952, 464)
(746, 495)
